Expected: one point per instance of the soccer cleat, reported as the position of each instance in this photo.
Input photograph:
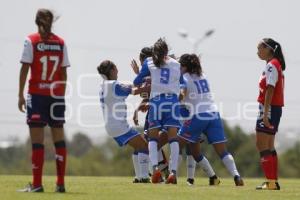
(277, 185)
(269, 186)
(166, 172)
(163, 165)
(156, 176)
(60, 189)
(30, 188)
(214, 180)
(135, 180)
(144, 180)
(171, 179)
(190, 181)
(238, 181)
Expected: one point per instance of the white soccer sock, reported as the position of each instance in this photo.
(230, 165)
(174, 146)
(179, 162)
(190, 166)
(136, 165)
(150, 167)
(152, 145)
(143, 159)
(160, 155)
(205, 165)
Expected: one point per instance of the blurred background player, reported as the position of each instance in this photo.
(45, 54)
(165, 75)
(205, 116)
(271, 101)
(112, 98)
(144, 107)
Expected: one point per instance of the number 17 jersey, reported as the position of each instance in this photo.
(46, 59)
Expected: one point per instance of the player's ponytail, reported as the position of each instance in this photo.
(275, 47)
(105, 68)
(44, 20)
(192, 63)
(160, 51)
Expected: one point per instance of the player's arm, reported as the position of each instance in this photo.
(183, 88)
(135, 67)
(143, 73)
(140, 90)
(271, 80)
(65, 65)
(22, 80)
(27, 58)
(144, 106)
(183, 93)
(122, 90)
(267, 104)
(64, 77)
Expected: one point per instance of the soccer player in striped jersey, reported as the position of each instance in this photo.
(271, 101)
(204, 114)
(112, 98)
(163, 110)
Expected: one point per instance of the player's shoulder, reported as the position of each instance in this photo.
(33, 37)
(107, 83)
(149, 62)
(187, 77)
(57, 38)
(172, 61)
(274, 63)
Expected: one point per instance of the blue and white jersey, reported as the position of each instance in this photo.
(199, 98)
(164, 79)
(112, 99)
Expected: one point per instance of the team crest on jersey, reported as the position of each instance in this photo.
(48, 47)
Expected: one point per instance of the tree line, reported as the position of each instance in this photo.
(108, 159)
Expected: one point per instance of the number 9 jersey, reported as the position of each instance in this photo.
(164, 79)
(46, 59)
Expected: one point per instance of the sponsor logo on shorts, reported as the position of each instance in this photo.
(186, 135)
(151, 123)
(35, 116)
(187, 123)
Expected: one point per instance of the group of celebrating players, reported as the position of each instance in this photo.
(175, 95)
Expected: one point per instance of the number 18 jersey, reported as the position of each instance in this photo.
(46, 59)
(199, 98)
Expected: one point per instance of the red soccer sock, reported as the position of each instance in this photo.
(61, 156)
(266, 162)
(275, 164)
(37, 160)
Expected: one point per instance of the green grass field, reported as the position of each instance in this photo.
(106, 188)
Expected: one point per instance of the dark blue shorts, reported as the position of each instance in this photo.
(209, 124)
(45, 110)
(122, 140)
(274, 119)
(164, 112)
